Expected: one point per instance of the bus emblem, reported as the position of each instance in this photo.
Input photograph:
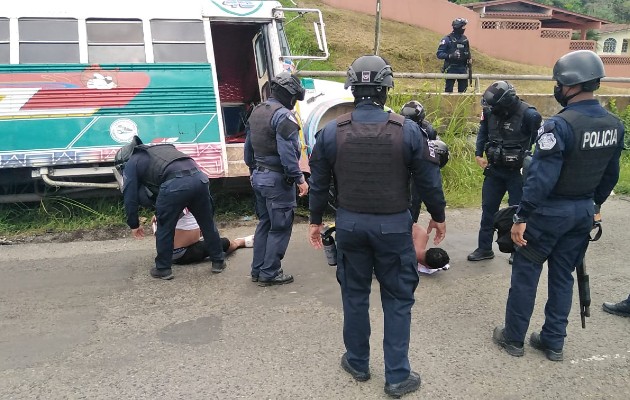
(122, 130)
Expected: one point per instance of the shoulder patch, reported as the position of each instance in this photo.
(546, 126)
(291, 118)
(443, 41)
(546, 141)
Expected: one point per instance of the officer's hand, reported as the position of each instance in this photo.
(303, 187)
(138, 233)
(517, 234)
(482, 162)
(314, 236)
(440, 231)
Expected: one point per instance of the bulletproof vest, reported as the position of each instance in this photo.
(459, 43)
(370, 172)
(595, 140)
(161, 155)
(507, 141)
(263, 136)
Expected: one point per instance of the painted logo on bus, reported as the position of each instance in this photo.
(238, 7)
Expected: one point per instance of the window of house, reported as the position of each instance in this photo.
(113, 41)
(178, 41)
(624, 46)
(4, 40)
(48, 40)
(610, 45)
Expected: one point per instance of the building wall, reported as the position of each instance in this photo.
(519, 40)
(619, 36)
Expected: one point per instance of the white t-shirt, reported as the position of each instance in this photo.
(187, 222)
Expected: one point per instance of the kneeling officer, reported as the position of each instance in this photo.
(175, 183)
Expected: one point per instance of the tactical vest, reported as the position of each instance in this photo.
(370, 171)
(161, 155)
(507, 142)
(263, 136)
(459, 43)
(595, 140)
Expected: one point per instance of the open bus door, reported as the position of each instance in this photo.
(262, 70)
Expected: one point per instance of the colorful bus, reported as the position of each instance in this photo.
(79, 79)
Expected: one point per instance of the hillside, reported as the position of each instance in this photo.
(410, 49)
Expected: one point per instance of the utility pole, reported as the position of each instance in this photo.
(377, 36)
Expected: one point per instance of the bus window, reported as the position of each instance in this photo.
(4, 40)
(48, 40)
(178, 41)
(261, 56)
(111, 41)
(284, 44)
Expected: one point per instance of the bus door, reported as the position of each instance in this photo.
(261, 52)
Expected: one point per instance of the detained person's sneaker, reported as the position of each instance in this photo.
(397, 390)
(162, 273)
(622, 308)
(481, 254)
(512, 348)
(551, 354)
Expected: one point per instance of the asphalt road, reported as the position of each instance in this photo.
(84, 320)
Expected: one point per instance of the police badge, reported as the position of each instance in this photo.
(546, 141)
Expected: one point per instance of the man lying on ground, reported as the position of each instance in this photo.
(429, 260)
(188, 244)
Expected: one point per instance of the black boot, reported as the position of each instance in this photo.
(411, 384)
(480, 254)
(280, 279)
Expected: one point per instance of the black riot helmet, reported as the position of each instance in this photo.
(370, 71)
(124, 153)
(579, 67)
(459, 23)
(287, 88)
(499, 97)
(414, 111)
(441, 149)
(370, 77)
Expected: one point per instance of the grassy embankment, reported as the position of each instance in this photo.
(408, 49)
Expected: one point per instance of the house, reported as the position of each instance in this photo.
(549, 17)
(613, 39)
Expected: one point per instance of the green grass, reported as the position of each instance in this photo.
(59, 214)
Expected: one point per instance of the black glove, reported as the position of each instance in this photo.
(456, 55)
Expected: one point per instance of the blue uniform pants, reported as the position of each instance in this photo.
(462, 85)
(275, 207)
(175, 195)
(381, 244)
(557, 231)
(496, 183)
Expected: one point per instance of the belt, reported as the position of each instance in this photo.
(265, 169)
(180, 174)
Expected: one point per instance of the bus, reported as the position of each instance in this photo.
(79, 79)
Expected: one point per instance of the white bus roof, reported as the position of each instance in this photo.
(180, 9)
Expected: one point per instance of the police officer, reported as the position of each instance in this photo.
(575, 166)
(175, 183)
(454, 49)
(370, 153)
(507, 130)
(272, 152)
(415, 111)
